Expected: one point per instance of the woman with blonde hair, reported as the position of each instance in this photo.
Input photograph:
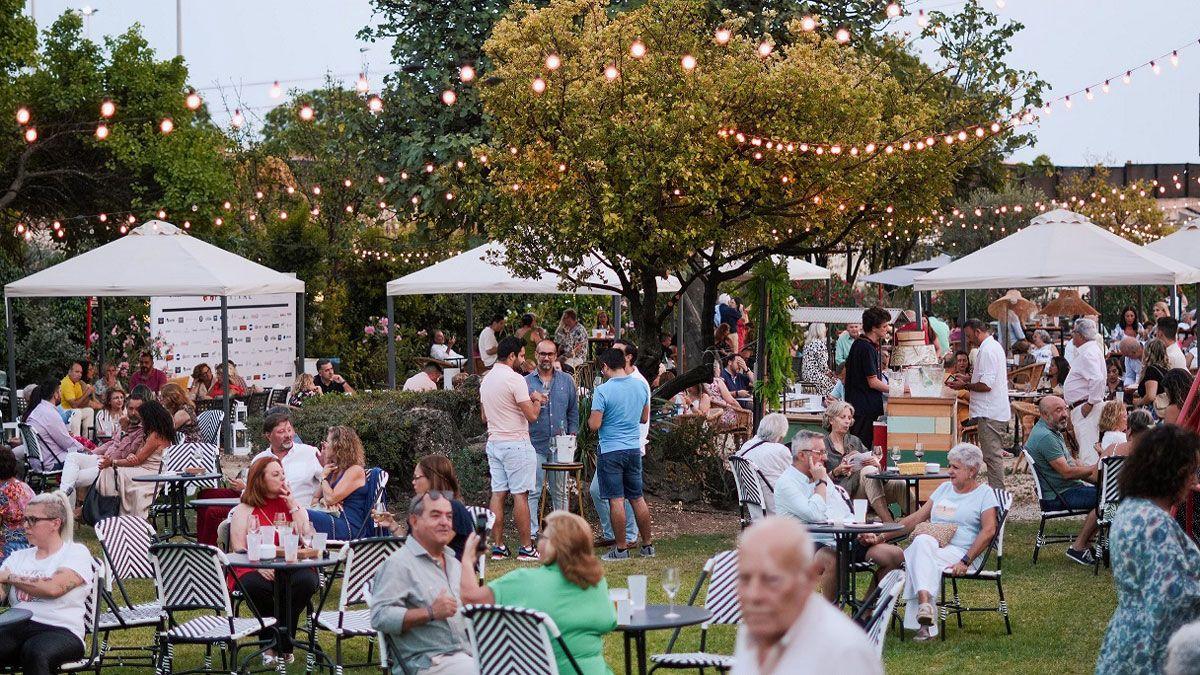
(814, 363)
(344, 502)
(1154, 369)
(183, 413)
(850, 463)
(569, 586)
(304, 389)
(1114, 423)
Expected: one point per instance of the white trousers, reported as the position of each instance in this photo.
(924, 562)
(82, 421)
(1087, 434)
(80, 469)
(458, 663)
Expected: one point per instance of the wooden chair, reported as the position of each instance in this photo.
(1026, 378)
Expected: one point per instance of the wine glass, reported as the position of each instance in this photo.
(919, 451)
(282, 525)
(895, 457)
(670, 584)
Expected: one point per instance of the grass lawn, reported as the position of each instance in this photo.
(1059, 612)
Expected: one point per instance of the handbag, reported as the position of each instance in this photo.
(942, 532)
(97, 507)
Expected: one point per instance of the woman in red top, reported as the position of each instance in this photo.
(266, 497)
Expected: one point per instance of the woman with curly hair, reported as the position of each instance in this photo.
(343, 505)
(183, 413)
(1175, 387)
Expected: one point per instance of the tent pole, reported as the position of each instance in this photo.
(760, 356)
(12, 361)
(962, 318)
(468, 336)
(391, 318)
(616, 316)
(102, 332)
(226, 428)
(300, 322)
(1174, 301)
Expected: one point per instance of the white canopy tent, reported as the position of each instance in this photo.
(904, 275)
(798, 270)
(1182, 245)
(156, 259)
(1059, 248)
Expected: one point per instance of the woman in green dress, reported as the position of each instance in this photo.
(569, 586)
(1155, 565)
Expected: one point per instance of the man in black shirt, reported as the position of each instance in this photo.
(865, 386)
(329, 381)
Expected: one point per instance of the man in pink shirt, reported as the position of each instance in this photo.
(147, 374)
(508, 407)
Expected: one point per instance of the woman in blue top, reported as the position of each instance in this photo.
(1156, 567)
(344, 503)
(966, 505)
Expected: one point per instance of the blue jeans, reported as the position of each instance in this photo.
(601, 504)
(558, 497)
(1078, 498)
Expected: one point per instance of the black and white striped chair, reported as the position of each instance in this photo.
(1052, 514)
(92, 656)
(360, 559)
(750, 490)
(980, 572)
(278, 396)
(876, 612)
(189, 578)
(1106, 506)
(209, 422)
(49, 468)
(511, 640)
(721, 600)
(125, 544)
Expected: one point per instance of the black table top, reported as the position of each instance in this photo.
(216, 501)
(855, 528)
(14, 615)
(652, 618)
(277, 563)
(892, 475)
(175, 477)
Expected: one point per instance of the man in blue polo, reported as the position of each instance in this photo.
(619, 407)
(558, 417)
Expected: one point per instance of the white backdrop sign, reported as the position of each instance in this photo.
(262, 335)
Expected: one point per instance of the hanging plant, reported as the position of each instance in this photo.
(773, 278)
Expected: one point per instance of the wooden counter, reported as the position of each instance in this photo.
(930, 421)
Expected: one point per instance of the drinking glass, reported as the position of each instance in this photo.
(319, 540)
(306, 535)
(919, 451)
(282, 526)
(670, 584)
(896, 457)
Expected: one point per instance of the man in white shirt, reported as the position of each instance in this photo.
(607, 536)
(1168, 327)
(442, 350)
(1085, 388)
(301, 463)
(425, 379)
(989, 397)
(489, 341)
(785, 627)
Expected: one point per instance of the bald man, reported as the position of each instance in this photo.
(786, 627)
(1065, 482)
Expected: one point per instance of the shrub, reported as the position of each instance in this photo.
(684, 463)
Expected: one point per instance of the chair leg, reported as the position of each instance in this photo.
(1040, 541)
(1003, 605)
(957, 603)
(942, 612)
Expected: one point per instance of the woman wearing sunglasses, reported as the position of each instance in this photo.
(435, 473)
(52, 579)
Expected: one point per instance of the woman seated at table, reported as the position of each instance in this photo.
(850, 464)
(304, 389)
(767, 453)
(344, 501)
(964, 515)
(1116, 372)
(1056, 374)
(1042, 350)
(724, 407)
(263, 501)
(436, 473)
(568, 585)
(183, 413)
(1114, 423)
(108, 418)
(603, 324)
(53, 580)
(1154, 369)
(202, 382)
(136, 496)
(14, 496)
(1175, 387)
(217, 390)
(1139, 423)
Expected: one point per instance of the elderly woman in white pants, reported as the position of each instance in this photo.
(964, 512)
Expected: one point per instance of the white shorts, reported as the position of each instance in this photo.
(513, 466)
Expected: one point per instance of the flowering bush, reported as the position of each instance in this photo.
(128, 339)
(364, 363)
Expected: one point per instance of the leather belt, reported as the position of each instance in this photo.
(1078, 403)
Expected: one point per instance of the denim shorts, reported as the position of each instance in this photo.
(1078, 498)
(620, 473)
(512, 465)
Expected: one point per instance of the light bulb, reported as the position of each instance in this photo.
(102, 131)
(449, 97)
(1175, 58)
(764, 48)
(637, 50)
(893, 10)
(553, 61)
(276, 91)
(466, 73)
(539, 85)
(306, 112)
(842, 36)
(107, 108)
(238, 119)
(375, 104)
(1155, 68)
(1127, 76)
(808, 24)
(23, 116)
(362, 86)
(166, 126)
(723, 35)
(688, 62)
(611, 73)
(104, 217)
(922, 19)
(192, 101)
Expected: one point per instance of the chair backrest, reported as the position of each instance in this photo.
(749, 488)
(886, 595)
(278, 396)
(91, 612)
(1110, 490)
(1031, 374)
(1037, 475)
(377, 480)
(178, 457)
(190, 577)
(362, 558)
(34, 448)
(125, 542)
(1005, 499)
(224, 535)
(509, 640)
(477, 511)
(722, 598)
(209, 422)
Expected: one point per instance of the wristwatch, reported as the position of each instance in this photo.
(965, 560)
(429, 608)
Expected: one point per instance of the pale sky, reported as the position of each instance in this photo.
(1070, 43)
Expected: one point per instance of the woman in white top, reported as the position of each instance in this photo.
(1042, 351)
(1114, 424)
(108, 418)
(52, 579)
(768, 454)
(971, 509)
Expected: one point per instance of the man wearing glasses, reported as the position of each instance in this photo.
(558, 417)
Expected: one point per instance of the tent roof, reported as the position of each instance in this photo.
(1182, 245)
(475, 271)
(1059, 248)
(155, 259)
(837, 315)
(798, 270)
(904, 275)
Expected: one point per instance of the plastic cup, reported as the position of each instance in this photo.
(860, 510)
(624, 612)
(637, 590)
(266, 535)
(319, 541)
(266, 551)
(291, 548)
(616, 595)
(1120, 396)
(253, 541)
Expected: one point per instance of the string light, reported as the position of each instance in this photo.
(102, 131)
(637, 50)
(31, 135)
(107, 108)
(765, 48)
(23, 116)
(688, 62)
(238, 119)
(192, 101)
(723, 35)
(306, 112)
(375, 104)
(922, 19)
(276, 91)
(842, 36)
(538, 85)
(466, 73)
(448, 97)
(553, 61)
(808, 24)
(893, 10)
(361, 85)
(166, 125)
(611, 73)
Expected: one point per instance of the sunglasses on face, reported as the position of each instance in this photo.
(30, 521)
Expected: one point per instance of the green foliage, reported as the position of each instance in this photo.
(771, 279)
(1129, 211)
(987, 216)
(684, 463)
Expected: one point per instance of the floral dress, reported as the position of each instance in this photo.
(14, 496)
(814, 366)
(299, 397)
(1156, 568)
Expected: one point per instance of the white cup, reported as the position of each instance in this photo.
(624, 612)
(291, 546)
(252, 546)
(565, 444)
(637, 590)
(266, 551)
(1120, 396)
(319, 541)
(860, 510)
(266, 534)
